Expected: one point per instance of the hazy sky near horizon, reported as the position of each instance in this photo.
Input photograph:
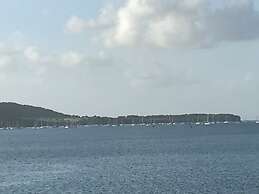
(113, 57)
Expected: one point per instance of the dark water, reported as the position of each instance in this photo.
(213, 159)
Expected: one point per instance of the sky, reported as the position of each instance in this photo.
(118, 57)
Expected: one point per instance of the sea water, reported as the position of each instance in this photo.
(221, 158)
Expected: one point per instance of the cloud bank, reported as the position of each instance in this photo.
(172, 23)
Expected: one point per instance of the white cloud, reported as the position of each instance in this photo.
(5, 60)
(178, 23)
(32, 64)
(32, 54)
(8, 57)
(71, 58)
(29, 59)
(75, 24)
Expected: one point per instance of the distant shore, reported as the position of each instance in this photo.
(161, 119)
(13, 115)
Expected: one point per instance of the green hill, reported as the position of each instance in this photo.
(14, 111)
(13, 114)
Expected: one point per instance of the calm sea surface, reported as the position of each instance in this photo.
(214, 159)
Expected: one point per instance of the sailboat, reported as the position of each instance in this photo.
(198, 120)
(213, 119)
(142, 120)
(171, 120)
(207, 122)
(257, 121)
